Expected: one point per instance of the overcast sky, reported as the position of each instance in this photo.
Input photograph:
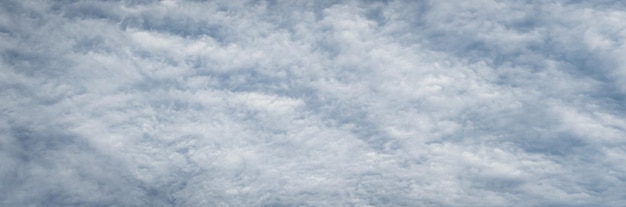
(313, 103)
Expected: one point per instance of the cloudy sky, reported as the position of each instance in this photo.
(312, 103)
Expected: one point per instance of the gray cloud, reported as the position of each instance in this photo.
(327, 103)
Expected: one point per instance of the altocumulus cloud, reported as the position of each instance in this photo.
(312, 103)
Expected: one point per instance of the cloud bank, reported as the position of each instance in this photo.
(302, 103)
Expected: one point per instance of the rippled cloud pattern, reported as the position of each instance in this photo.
(312, 103)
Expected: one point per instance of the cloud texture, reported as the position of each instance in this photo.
(312, 103)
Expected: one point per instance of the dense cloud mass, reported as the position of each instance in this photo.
(312, 103)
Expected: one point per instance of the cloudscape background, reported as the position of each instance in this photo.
(312, 103)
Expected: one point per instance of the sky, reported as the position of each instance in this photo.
(312, 103)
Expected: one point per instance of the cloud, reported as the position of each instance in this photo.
(327, 103)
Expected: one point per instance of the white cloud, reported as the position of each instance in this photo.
(334, 103)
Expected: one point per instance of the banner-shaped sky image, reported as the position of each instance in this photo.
(313, 103)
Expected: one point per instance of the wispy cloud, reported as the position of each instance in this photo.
(326, 103)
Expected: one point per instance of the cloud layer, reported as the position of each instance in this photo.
(301, 103)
